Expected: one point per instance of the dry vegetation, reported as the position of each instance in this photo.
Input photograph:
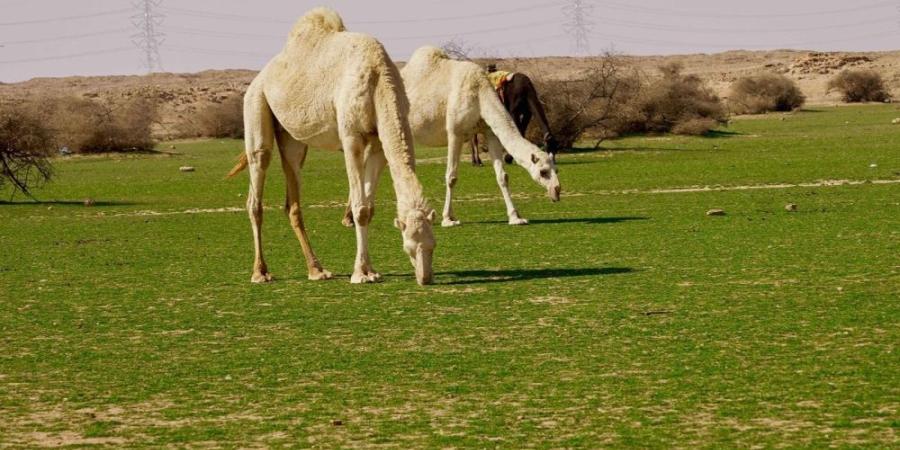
(223, 119)
(860, 86)
(90, 126)
(613, 98)
(25, 143)
(757, 94)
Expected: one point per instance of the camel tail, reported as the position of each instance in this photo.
(241, 165)
(500, 122)
(391, 112)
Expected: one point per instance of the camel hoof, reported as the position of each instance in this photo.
(518, 221)
(261, 278)
(365, 278)
(347, 222)
(320, 275)
(447, 223)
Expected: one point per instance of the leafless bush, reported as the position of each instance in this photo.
(758, 94)
(88, 126)
(25, 144)
(459, 49)
(676, 103)
(595, 104)
(860, 86)
(218, 120)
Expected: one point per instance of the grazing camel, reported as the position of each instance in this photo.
(521, 100)
(333, 89)
(451, 101)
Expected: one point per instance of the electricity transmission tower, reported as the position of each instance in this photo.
(148, 38)
(579, 25)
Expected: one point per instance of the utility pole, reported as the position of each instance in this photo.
(579, 25)
(148, 38)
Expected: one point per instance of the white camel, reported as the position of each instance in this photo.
(450, 101)
(333, 89)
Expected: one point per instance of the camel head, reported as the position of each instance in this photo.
(418, 241)
(543, 171)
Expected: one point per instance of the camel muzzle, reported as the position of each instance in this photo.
(553, 193)
(424, 272)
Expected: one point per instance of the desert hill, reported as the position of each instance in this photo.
(184, 94)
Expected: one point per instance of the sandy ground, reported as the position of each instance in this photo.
(184, 94)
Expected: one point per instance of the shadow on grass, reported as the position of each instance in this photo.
(63, 203)
(720, 134)
(505, 276)
(586, 220)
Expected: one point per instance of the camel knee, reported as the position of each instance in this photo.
(260, 157)
(503, 179)
(255, 209)
(362, 215)
(295, 216)
(451, 180)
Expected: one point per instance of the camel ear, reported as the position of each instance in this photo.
(432, 215)
(534, 158)
(399, 224)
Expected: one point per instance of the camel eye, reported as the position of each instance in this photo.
(545, 173)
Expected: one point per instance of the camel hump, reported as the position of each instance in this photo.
(427, 55)
(319, 20)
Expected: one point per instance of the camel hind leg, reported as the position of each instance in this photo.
(293, 155)
(495, 148)
(259, 134)
(454, 148)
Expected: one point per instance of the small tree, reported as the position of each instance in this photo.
(597, 102)
(88, 126)
(677, 103)
(25, 144)
(220, 120)
(763, 93)
(459, 49)
(860, 86)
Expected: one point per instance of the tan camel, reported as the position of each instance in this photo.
(452, 100)
(333, 89)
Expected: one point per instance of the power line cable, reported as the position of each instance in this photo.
(685, 13)
(66, 37)
(69, 56)
(63, 19)
(663, 27)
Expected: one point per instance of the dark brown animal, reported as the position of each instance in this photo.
(521, 101)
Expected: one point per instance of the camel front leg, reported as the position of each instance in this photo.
(293, 154)
(375, 164)
(454, 147)
(496, 151)
(354, 149)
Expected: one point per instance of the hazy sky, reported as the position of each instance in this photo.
(94, 37)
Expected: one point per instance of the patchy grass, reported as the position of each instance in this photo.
(623, 316)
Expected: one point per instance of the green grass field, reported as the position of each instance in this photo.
(622, 316)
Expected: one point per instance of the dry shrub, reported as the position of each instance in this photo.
(216, 120)
(595, 104)
(758, 94)
(88, 126)
(697, 126)
(860, 86)
(25, 144)
(677, 103)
